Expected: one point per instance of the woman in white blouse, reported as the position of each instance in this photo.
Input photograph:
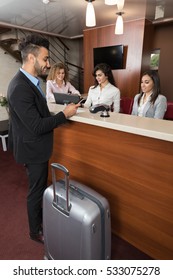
(150, 103)
(57, 81)
(104, 91)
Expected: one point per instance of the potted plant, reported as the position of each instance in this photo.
(4, 102)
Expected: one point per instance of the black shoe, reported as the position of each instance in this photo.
(38, 237)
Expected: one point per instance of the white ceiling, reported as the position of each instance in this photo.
(67, 17)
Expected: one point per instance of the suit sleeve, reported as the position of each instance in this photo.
(135, 105)
(31, 109)
(117, 101)
(160, 107)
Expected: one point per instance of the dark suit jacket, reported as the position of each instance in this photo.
(31, 124)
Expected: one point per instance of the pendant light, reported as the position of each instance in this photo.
(119, 28)
(111, 2)
(45, 1)
(120, 4)
(90, 14)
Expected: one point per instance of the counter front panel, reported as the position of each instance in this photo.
(135, 174)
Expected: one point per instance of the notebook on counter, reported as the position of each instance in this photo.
(64, 98)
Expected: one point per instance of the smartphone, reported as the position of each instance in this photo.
(81, 101)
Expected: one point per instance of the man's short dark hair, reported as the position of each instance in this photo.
(31, 44)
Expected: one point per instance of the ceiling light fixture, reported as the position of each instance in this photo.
(45, 1)
(111, 2)
(119, 28)
(90, 14)
(120, 4)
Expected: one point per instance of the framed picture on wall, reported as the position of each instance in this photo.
(154, 59)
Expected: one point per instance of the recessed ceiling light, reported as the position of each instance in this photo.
(45, 1)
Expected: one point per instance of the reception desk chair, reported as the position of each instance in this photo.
(169, 111)
(4, 133)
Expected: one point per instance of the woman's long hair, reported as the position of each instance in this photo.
(153, 74)
(53, 71)
(106, 69)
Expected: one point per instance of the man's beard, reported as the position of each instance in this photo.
(38, 69)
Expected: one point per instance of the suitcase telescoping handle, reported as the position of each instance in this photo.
(66, 204)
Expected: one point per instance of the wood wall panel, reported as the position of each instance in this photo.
(128, 79)
(135, 173)
(147, 46)
(163, 40)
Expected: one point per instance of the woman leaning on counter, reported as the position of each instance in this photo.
(104, 91)
(58, 81)
(150, 102)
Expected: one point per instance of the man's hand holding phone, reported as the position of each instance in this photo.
(81, 102)
(70, 110)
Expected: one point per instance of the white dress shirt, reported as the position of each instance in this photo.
(142, 105)
(109, 95)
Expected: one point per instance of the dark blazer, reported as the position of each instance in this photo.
(31, 124)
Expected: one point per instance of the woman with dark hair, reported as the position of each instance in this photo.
(104, 91)
(57, 81)
(150, 102)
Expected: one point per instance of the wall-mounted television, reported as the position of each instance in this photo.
(112, 55)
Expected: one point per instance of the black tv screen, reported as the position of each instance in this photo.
(112, 55)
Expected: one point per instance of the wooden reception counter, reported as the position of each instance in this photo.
(129, 160)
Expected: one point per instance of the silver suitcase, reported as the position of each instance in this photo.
(76, 221)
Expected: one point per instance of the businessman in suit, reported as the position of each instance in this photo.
(31, 125)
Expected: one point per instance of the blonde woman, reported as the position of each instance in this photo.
(57, 81)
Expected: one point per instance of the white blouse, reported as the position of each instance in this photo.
(51, 86)
(142, 105)
(109, 95)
